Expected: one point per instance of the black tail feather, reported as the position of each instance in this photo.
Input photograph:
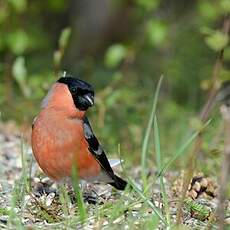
(119, 183)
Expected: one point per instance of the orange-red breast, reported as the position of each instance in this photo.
(62, 135)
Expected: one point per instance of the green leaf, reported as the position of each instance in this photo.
(18, 41)
(217, 40)
(57, 57)
(19, 72)
(64, 37)
(225, 6)
(112, 98)
(208, 10)
(115, 54)
(57, 5)
(19, 5)
(148, 4)
(156, 32)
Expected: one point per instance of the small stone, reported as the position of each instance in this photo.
(118, 220)
(197, 186)
(204, 183)
(50, 198)
(137, 206)
(46, 180)
(193, 194)
(3, 219)
(227, 220)
(36, 180)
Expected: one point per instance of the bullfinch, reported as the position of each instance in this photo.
(62, 136)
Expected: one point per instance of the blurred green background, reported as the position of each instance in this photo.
(122, 48)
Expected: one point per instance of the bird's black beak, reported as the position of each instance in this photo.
(90, 99)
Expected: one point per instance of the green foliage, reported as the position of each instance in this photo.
(225, 6)
(156, 32)
(146, 139)
(18, 5)
(115, 54)
(148, 5)
(197, 210)
(141, 194)
(217, 40)
(81, 206)
(159, 159)
(17, 41)
(57, 5)
(64, 37)
(151, 223)
(208, 10)
(20, 74)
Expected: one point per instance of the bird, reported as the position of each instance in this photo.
(62, 136)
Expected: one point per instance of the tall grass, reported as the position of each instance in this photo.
(78, 193)
(161, 168)
(144, 149)
(142, 195)
(159, 165)
(20, 188)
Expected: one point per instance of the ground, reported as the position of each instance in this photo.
(28, 199)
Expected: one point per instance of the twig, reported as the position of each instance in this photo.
(203, 118)
(225, 111)
(44, 208)
(215, 76)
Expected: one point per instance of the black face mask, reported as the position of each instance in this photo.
(81, 91)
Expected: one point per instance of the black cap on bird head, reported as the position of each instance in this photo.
(81, 91)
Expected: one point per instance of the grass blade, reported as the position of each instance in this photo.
(64, 199)
(77, 190)
(156, 210)
(181, 150)
(147, 134)
(159, 166)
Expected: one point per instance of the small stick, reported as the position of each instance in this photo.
(224, 177)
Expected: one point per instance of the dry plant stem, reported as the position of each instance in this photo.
(215, 75)
(43, 208)
(225, 166)
(203, 118)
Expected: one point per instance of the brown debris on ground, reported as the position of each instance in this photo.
(200, 186)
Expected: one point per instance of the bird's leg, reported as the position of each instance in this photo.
(88, 192)
(44, 187)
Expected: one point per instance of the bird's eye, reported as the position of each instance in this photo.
(73, 90)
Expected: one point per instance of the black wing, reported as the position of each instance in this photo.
(98, 152)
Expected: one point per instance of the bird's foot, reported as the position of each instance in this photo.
(44, 187)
